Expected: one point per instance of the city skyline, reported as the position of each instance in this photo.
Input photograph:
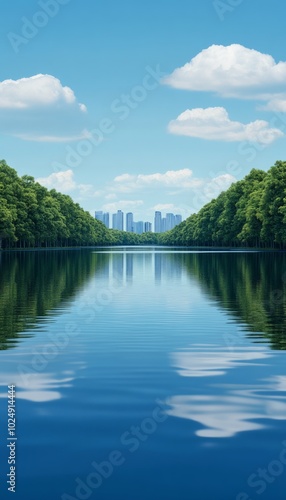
(161, 224)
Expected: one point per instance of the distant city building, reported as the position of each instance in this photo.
(129, 222)
(147, 227)
(106, 219)
(117, 220)
(161, 224)
(99, 216)
(158, 222)
(103, 217)
(140, 227)
(170, 222)
(114, 221)
(178, 219)
(120, 220)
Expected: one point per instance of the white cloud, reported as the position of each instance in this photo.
(215, 124)
(52, 138)
(171, 179)
(175, 191)
(61, 181)
(35, 91)
(39, 108)
(190, 195)
(83, 107)
(64, 183)
(218, 184)
(230, 71)
(277, 103)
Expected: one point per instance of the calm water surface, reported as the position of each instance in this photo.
(145, 373)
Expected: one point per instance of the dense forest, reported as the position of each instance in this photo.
(251, 213)
(33, 216)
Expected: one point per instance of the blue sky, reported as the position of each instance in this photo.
(96, 100)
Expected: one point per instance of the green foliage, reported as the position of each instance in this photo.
(252, 213)
(32, 216)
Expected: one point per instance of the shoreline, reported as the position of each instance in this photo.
(182, 247)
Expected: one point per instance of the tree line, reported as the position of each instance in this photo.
(251, 213)
(33, 216)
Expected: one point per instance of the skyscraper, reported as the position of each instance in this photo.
(129, 222)
(117, 220)
(99, 215)
(147, 227)
(170, 221)
(103, 217)
(106, 219)
(114, 221)
(140, 227)
(178, 219)
(161, 224)
(158, 222)
(120, 220)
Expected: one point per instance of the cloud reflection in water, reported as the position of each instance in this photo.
(228, 409)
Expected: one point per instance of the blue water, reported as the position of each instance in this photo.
(144, 373)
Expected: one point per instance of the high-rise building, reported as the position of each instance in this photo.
(117, 220)
(99, 215)
(140, 227)
(161, 224)
(147, 227)
(103, 217)
(114, 221)
(106, 219)
(158, 222)
(129, 222)
(178, 219)
(120, 220)
(170, 222)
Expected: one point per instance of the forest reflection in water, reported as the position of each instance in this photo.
(250, 286)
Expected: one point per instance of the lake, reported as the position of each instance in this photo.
(144, 373)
